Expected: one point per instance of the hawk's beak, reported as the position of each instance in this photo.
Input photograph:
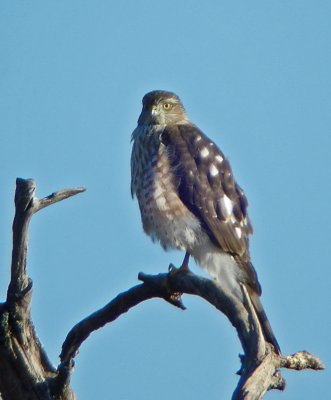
(154, 109)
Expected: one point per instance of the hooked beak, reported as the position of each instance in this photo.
(154, 109)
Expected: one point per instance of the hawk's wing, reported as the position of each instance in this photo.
(207, 187)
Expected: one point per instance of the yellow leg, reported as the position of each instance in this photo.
(183, 268)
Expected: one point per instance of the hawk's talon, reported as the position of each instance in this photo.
(172, 268)
(173, 271)
(184, 268)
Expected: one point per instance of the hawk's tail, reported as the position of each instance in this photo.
(263, 319)
(230, 274)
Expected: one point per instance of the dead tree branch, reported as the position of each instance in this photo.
(260, 364)
(25, 370)
(27, 373)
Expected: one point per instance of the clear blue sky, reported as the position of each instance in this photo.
(255, 76)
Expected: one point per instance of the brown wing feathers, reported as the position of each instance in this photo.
(207, 187)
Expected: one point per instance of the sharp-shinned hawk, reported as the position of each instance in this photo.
(189, 199)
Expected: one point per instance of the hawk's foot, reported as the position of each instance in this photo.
(183, 269)
(172, 268)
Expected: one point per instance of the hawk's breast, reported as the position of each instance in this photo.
(164, 216)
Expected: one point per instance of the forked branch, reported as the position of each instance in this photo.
(25, 370)
(259, 373)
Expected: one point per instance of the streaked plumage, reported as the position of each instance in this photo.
(189, 199)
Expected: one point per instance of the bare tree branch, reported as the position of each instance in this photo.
(166, 286)
(55, 197)
(27, 373)
(25, 370)
(26, 204)
(260, 364)
(19, 282)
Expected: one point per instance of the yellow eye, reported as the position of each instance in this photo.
(167, 106)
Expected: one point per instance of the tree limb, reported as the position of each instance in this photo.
(25, 370)
(260, 364)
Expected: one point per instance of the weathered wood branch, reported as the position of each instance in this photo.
(260, 364)
(25, 370)
(27, 373)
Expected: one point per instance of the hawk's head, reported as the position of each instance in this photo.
(162, 108)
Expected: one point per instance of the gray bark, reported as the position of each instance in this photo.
(25, 370)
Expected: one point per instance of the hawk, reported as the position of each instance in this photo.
(189, 199)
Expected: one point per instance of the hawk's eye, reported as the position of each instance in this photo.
(167, 106)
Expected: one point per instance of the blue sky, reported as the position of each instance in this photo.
(255, 76)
